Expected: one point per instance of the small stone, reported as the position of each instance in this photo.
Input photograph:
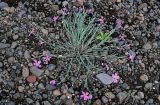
(1, 64)
(105, 78)
(144, 77)
(11, 59)
(27, 54)
(41, 86)
(69, 102)
(25, 72)
(110, 95)
(104, 100)
(55, 7)
(3, 5)
(142, 5)
(14, 45)
(122, 96)
(118, 1)
(56, 93)
(29, 100)
(148, 86)
(65, 3)
(15, 37)
(50, 87)
(31, 79)
(147, 46)
(3, 45)
(159, 98)
(16, 96)
(11, 103)
(20, 88)
(35, 71)
(141, 95)
(46, 103)
(51, 67)
(97, 102)
(44, 31)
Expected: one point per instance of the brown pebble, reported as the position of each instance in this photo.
(31, 79)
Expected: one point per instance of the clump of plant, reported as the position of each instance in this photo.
(81, 44)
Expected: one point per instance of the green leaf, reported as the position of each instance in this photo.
(103, 36)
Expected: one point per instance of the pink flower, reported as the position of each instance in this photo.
(37, 63)
(100, 21)
(85, 96)
(121, 37)
(131, 57)
(106, 66)
(52, 82)
(32, 32)
(47, 58)
(65, 11)
(55, 18)
(119, 23)
(115, 78)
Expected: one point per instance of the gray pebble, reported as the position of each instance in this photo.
(147, 46)
(11, 103)
(46, 103)
(141, 95)
(51, 67)
(110, 95)
(105, 78)
(1, 64)
(14, 45)
(3, 45)
(29, 100)
(27, 54)
(11, 59)
(122, 96)
(50, 87)
(15, 37)
(3, 5)
(41, 86)
(35, 71)
(104, 100)
(148, 86)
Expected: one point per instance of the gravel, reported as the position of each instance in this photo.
(35, 71)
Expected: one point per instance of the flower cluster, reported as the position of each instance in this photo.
(46, 59)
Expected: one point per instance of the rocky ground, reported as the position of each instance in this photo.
(22, 84)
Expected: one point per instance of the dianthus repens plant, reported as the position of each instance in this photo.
(79, 44)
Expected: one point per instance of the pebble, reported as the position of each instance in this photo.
(29, 100)
(159, 98)
(142, 5)
(27, 54)
(44, 31)
(141, 95)
(11, 103)
(65, 3)
(105, 78)
(20, 88)
(104, 99)
(11, 59)
(15, 37)
(147, 46)
(122, 96)
(31, 79)
(118, 1)
(55, 7)
(35, 71)
(97, 102)
(16, 96)
(46, 103)
(41, 86)
(25, 72)
(144, 78)
(3, 5)
(14, 45)
(69, 102)
(51, 67)
(149, 102)
(1, 64)
(148, 86)
(56, 93)
(110, 95)
(50, 87)
(3, 45)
